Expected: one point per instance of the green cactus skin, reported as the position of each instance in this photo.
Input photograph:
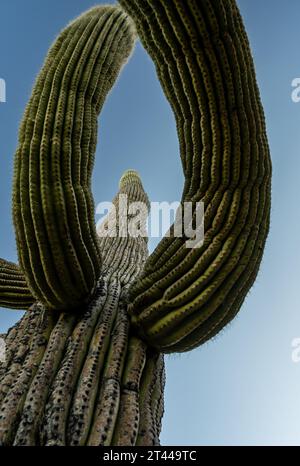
(53, 208)
(203, 61)
(14, 292)
(85, 364)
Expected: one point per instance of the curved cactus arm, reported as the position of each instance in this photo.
(14, 292)
(53, 209)
(204, 63)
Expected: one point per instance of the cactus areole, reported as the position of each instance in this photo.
(85, 365)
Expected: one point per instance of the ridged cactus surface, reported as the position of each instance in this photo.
(53, 207)
(14, 292)
(203, 61)
(85, 364)
(84, 378)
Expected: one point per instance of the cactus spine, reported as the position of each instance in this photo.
(85, 365)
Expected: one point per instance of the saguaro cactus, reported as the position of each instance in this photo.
(85, 365)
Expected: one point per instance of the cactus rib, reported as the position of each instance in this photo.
(14, 292)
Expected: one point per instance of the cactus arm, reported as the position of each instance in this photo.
(14, 292)
(204, 63)
(52, 202)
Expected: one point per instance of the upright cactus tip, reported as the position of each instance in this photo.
(129, 176)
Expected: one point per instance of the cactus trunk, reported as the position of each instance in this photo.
(81, 381)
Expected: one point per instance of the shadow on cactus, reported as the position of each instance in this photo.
(85, 366)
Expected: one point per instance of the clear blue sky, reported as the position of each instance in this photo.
(241, 388)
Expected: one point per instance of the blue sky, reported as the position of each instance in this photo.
(242, 388)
